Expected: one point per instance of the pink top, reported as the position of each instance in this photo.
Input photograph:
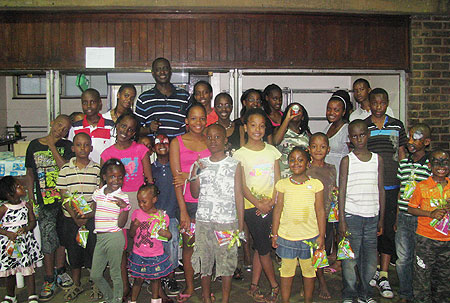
(144, 245)
(187, 158)
(132, 159)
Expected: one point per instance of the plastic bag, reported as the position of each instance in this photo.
(160, 223)
(345, 251)
(82, 236)
(12, 249)
(443, 225)
(319, 259)
(78, 203)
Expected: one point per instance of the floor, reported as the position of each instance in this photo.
(238, 294)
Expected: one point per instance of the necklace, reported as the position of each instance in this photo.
(296, 182)
(229, 125)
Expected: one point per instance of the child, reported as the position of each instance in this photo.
(76, 116)
(17, 222)
(110, 209)
(218, 188)
(148, 260)
(223, 106)
(361, 91)
(136, 159)
(44, 157)
(361, 212)
(293, 131)
(125, 100)
(337, 131)
(184, 151)
(325, 173)
(203, 94)
(272, 102)
(94, 124)
(388, 139)
(167, 201)
(79, 176)
(260, 172)
(298, 216)
(429, 202)
(412, 170)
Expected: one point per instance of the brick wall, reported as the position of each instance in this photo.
(429, 82)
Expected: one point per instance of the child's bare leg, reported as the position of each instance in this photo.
(124, 274)
(31, 287)
(323, 288)
(308, 286)
(135, 291)
(60, 257)
(246, 247)
(226, 288)
(11, 285)
(156, 285)
(76, 276)
(286, 288)
(267, 266)
(162, 294)
(257, 268)
(187, 266)
(206, 289)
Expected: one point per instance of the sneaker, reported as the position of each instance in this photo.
(48, 291)
(172, 287)
(368, 300)
(64, 280)
(375, 278)
(384, 288)
(347, 301)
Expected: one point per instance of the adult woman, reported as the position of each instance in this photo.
(125, 101)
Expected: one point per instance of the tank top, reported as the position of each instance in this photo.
(187, 158)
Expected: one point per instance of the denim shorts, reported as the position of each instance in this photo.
(294, 249)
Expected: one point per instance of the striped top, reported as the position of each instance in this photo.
(107, 212)
(386, 142)
(409, 171)
(362, 197)
(170, 111)
(83, 181)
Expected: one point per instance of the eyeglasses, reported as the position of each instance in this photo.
(161, 140)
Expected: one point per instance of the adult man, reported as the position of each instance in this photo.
(163, 108)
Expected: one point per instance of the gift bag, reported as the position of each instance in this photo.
(443, 225)
(345, 251)
(159, 223)
(319, 259)
(12, 249)
(82, 236)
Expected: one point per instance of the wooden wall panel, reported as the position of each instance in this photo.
(33, 41)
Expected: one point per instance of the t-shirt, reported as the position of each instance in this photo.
(83, 181)
(326, 175)
(40, 159)
(167, 199)
(409, 171)
(426, 197)
(102, 135)
(211, 118)
(144, 245)
(216, 201)
(298, 219)
(170, 111)
(259, 170)
(107, 211)
(290, 140)
(386, 142)
(362, 114)
(338, 147)
(132, 160)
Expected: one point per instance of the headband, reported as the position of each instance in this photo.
(342, 99)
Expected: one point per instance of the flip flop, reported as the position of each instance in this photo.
(183, 297)
(329, 270)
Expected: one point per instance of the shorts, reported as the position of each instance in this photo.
(149, 268)
(293, 252)
(207, 250)
(260, 229)
(288, 267)
(51, 221)
(386, 242)
(171, 246)
(77, 255)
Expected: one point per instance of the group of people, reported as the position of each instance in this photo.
(125, 186)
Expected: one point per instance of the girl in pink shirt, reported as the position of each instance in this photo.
(148, 261)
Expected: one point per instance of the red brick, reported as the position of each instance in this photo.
(421, 66)
(415, 90)
(422, 98)
(421, 18)
(423, 114)
(424, 34)
(430, 105)
(416, 74)
(419, 41)
(421, 50)
(414, 114)
(441, 33)
(446, 25)
(440, 113)
(432, 41)
(421, 82)
(440, 66)
(439, 130)
(446, 41)
(440, 18)
(432, 122)
(432, 25)
(418, 58)
(428, 58)
(438, 98)
(440, 145)
(414, 106)
(445, 121)
(432, 74)
(445, 137)
(445, 58)
(445, 74)
(440, 82)
(445, 90)
(442, 50)
(431, 90)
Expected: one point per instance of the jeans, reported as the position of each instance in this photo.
(363, 241)
(171, 247)
(405, 243)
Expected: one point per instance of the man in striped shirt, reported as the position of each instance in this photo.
(163, 108)
(411, 171)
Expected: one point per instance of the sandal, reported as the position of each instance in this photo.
(255, 293)
(95, 294)
(33, 299)
(9, 299)
(237, 275)
(73, 292)
(274, 292)
(183, 297)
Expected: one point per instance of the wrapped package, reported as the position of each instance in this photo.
(345, 251)
(82, 236)
(159, 223)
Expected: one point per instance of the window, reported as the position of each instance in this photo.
(70, 89)
(30, 86)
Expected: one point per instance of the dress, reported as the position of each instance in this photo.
(14, 218)
(338, 147)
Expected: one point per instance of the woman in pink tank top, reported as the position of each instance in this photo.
(184, 151)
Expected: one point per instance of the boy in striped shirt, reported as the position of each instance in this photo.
(411, 171)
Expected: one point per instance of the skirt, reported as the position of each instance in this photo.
(149, 268)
